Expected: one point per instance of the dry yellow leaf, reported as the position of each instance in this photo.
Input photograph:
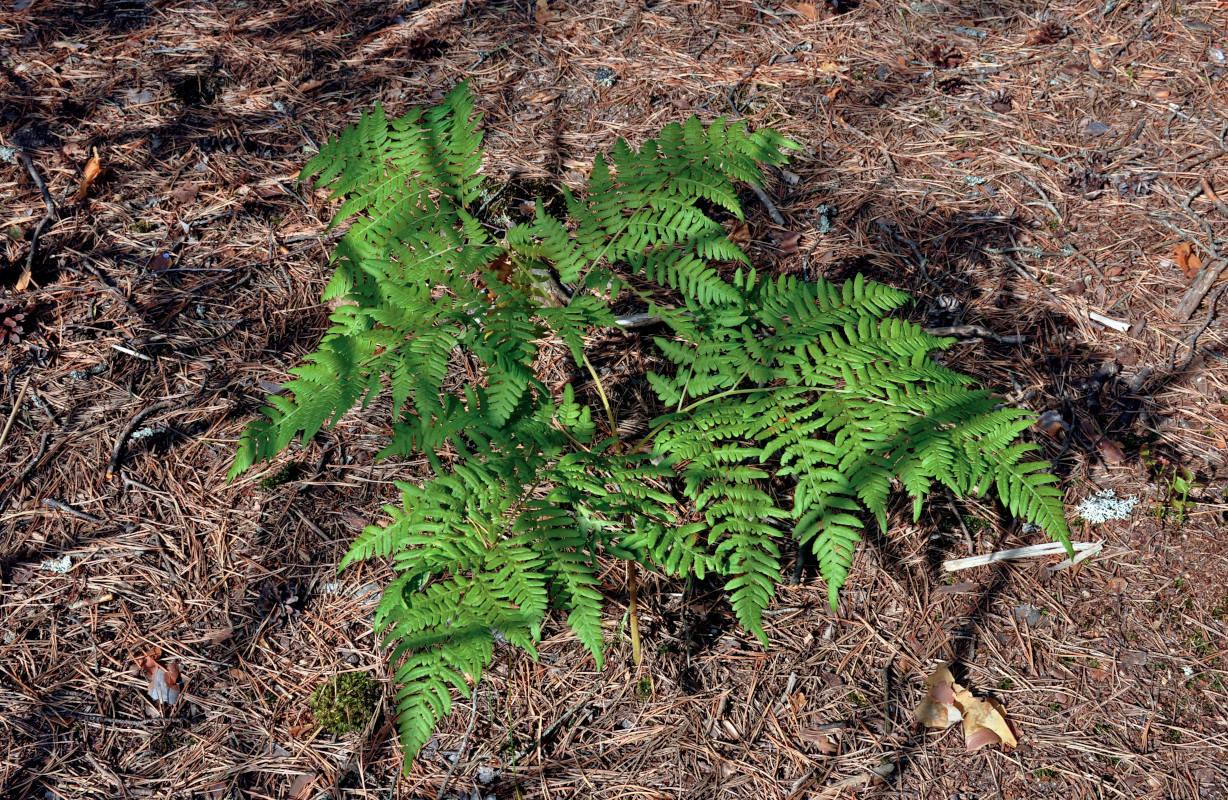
(935, 709)
(984, 721)
(946, 702)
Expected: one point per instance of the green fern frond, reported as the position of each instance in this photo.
(787, 408)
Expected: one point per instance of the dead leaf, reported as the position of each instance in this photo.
(831, 93)
(1110, 451)
(185, 192)
(1187, 260)
(943, 54)
(822, 742)
(302, 787)
(946, 702)
(935, 709)
(1209, 191)
(543, 97)
(1048, 33)
(984, 721)
(963, 587)
(829, 68)
(740, 235)
(806, 10)
(542, 13)
(502, 267)
(1193, 266)
(93, 168)
(310, 86)
(797, 702)
(164, 684)
(787, 242)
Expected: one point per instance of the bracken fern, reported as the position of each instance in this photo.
(795, 407)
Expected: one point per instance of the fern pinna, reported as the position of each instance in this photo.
(808, 386)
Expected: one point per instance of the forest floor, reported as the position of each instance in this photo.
(1045, 171)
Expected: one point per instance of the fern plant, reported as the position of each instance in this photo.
(793, 408)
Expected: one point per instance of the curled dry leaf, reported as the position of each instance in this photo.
(186, 192)
(542, 14)
(740, 235)
(946, 702)
(936, 709)
(1187, 260)
(821, 741)
(984, 721)
(164, 684)
(787, 242)
(807, 11)
(93, 168)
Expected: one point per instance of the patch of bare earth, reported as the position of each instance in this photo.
(1030, 169)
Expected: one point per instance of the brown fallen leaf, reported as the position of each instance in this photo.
(944, 54)
(185, 192)
(542, 13)
(935, 709)
(787, 242)
(164, 684)
(740, 235)
(1181, 255)
(821, 741)
(984, 721)
(1048, 33)
(543, 97)
(93, 168)
(807, 11)
(946, 702)
(1110, 451)
(302, 787)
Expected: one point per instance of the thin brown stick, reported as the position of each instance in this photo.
(460, 752)
(117, 451)
(974, 332)
(51, 502)
(21, 395)
(51, 214)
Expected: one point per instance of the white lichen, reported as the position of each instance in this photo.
(1104, 506)
(59, 566)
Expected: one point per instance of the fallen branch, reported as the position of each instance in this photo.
(1032, 551)
(1198, 290)
(974, 332)
(24, 280)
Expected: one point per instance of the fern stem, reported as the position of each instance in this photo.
(633, 612)
(605, 400)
